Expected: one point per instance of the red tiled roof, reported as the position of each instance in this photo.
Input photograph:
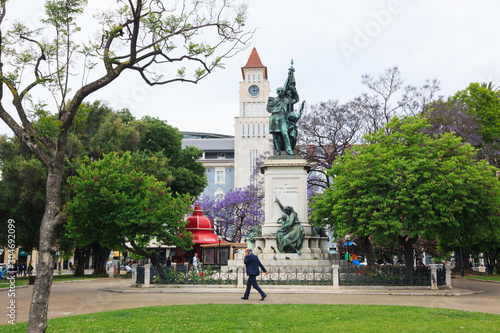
(254, 62)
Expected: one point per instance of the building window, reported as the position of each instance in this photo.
(253, 166)
(258, 129)
(242, 129)
(220, 175)
(221, 156)
(263, 129)
(248, 129)
(219, 194)
(258, 77)
(253, 130)
(243, 109)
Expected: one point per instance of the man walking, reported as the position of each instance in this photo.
(253, 263)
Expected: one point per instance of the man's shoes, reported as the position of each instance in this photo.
(263, 297)
(244, 298)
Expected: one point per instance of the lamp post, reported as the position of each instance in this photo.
(219, 238)
(348, 248)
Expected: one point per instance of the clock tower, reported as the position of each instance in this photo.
(251, 138)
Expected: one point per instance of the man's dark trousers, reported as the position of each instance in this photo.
(252, 282)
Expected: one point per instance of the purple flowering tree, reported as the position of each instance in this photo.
(236, 213)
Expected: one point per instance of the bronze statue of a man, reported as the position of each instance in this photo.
(283, 121)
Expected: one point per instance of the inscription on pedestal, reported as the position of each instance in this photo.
(288, 195)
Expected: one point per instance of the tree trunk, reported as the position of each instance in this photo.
(101, 257)
(368, 249)
(154, 260)
(81, 257)
(47, 249)
(464, 259)
(490, 260)
(407, 243)
(151, 256)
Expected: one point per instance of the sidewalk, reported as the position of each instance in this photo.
(287, 289)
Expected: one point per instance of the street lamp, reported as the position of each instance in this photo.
(219, 238)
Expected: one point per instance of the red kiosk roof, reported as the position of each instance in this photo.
(202, 228)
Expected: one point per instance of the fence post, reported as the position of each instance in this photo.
(240, 272)
(448, 276)
(147, 275)
(336, 284)
(434, 283)
(134, 274)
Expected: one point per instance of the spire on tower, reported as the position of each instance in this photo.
(254, 62)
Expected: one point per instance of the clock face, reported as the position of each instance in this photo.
(253, 90)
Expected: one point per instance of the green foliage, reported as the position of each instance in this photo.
(185, 173)
(406, 183)
(96, 130)
(63, 12)
(483, 103)
(118, 204)
(22, 192)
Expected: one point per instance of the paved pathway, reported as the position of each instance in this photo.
(94, 296)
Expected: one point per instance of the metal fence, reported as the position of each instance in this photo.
(348, 276)
(205, 275)
(311, 277)
(389, 275)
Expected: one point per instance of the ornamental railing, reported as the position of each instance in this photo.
(296, 277)
(336, 276)
(384, 276)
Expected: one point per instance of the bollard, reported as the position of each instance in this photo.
(134, 274)
(448, 276)
(240, 272)
(335, 282)
(434, 283)
(111, 270)
(147, 275)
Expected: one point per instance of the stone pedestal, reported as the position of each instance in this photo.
(286, 180)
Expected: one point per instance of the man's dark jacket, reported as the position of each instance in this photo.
(253, 263)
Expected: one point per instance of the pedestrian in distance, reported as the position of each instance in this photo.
(195, 262)
(252, 264)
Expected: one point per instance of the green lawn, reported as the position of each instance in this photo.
(487, 277)
(23, 280)
(275, 318)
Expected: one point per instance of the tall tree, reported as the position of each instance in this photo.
(22, 192)
(484, 104)
(408, 184)
(236, 213)
(389, 97)
(473, 115)
(327, 130)
(96, 130)
(125, 206)
(185, 173)
(330, 128)
(136, 36)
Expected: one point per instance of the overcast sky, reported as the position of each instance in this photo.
(332, 43)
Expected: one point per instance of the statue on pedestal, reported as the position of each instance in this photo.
(290, 236)
(283, 121)
(255, 231)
